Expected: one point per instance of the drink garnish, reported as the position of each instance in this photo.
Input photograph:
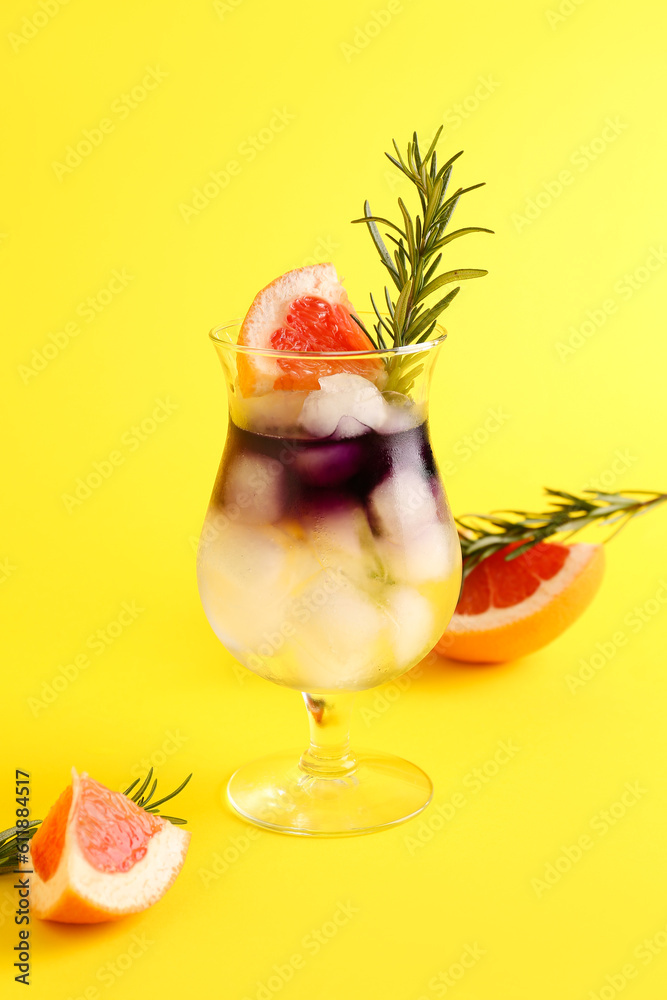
(521, 589)
(418, 245)
(481, 535)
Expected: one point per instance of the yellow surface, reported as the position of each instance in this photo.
(400, 912)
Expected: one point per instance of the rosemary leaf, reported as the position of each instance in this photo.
(417, 255)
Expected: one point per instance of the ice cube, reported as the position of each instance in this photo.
(350, 427)
(247, 576)
(412, 616)
(276, 413)
(239, 569)
(326, 410)
(339, 534)
(328, 464)
(428, 555)
(343, 643)
(403, 504)
(244, 557)
(254, 487)
(400, 413)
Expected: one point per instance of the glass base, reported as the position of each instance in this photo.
(378, 791)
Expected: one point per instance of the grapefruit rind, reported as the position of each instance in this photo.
(79, 893)
(258, 374)
(501, 634)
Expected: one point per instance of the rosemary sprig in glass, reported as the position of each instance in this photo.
(416, 255)
(483, 534)
(9, 858)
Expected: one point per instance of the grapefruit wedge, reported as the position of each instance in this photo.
(97, 856)
(305, 310)
(511, 608)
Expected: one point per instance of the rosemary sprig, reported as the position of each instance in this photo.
(417, 249)
(8, 838)
(144, 800)
(9, 856)
(483, 534)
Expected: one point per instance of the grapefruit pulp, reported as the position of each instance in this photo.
(511, 608)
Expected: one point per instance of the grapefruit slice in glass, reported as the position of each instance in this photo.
(511, 608)
(305, 310)
(98, 856)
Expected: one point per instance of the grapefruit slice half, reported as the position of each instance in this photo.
(98, 856)
(511, 608)
(303, 310)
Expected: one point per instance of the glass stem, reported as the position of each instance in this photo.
(329, 755)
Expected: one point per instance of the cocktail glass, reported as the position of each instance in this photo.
(329, 563)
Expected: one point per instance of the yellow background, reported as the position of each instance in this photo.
(165, 690)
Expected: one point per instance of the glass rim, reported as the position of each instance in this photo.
(228, 343)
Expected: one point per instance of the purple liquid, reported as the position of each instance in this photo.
(321, 473)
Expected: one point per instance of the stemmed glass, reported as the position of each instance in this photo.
(329, 563)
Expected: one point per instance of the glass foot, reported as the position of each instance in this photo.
(374, 791)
